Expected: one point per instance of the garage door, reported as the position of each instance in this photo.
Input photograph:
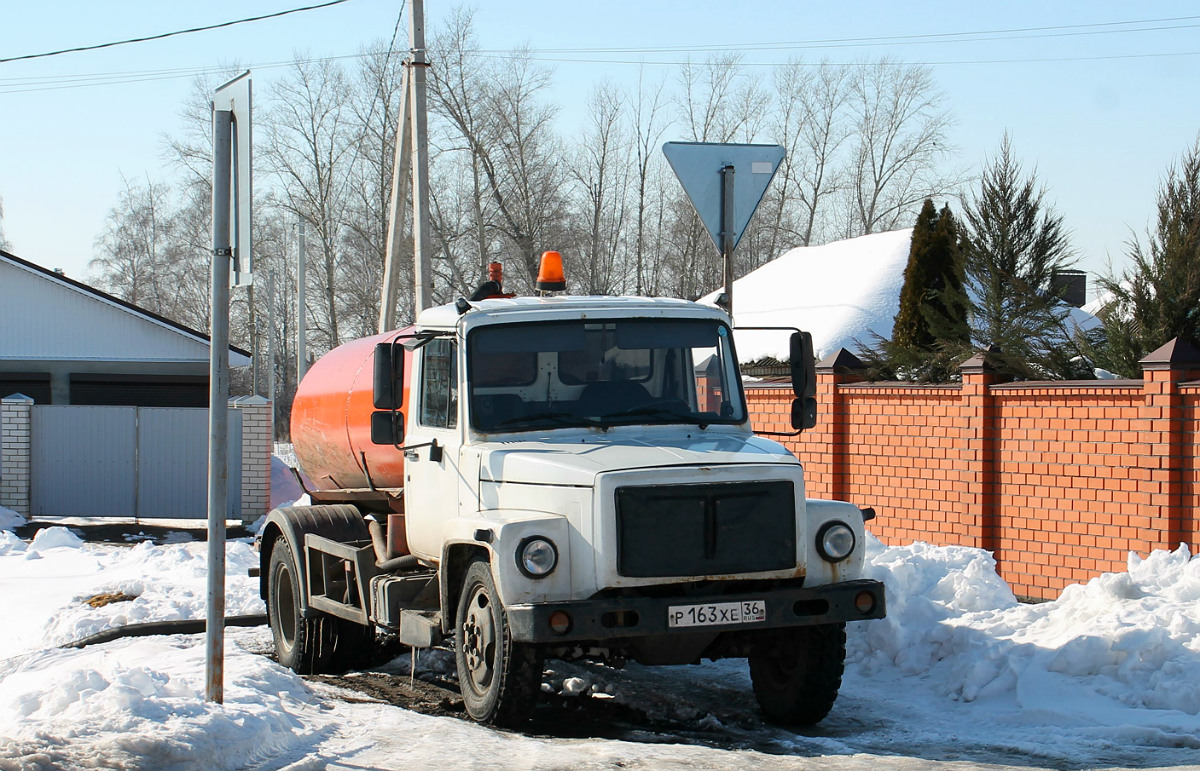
(99, 461)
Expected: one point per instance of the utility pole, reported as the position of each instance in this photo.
(422, 260)
(400, 162)
(301, 360)
(412, 155)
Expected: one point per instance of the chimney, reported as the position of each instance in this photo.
(1070, 286)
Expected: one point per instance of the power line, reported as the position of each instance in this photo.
(567, 56)
(870, 63)
(1012, 33)
(170, 34)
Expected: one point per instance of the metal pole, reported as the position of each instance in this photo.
(422, 260)
(254, 333)
(727, 221)
(271, 346)
(395, 236)
(301, 307)
(218, 409)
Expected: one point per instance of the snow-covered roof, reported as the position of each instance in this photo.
(843, 293)
(839, 292)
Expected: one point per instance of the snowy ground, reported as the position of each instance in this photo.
(958, 676)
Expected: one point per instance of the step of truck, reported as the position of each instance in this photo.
(420, 628)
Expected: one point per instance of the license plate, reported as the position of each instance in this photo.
(717, 613)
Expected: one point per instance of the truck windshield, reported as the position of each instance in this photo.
(524, 377)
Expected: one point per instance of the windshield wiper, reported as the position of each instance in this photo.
(660, 412)
(558, 418)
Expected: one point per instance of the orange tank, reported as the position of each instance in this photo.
(331, 420)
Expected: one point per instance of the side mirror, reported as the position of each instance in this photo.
(804, 381)
(804, 413)
(387, 427)
(388, 386)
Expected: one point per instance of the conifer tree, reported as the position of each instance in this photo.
(932, 317)
(910, 329)
(1158, 297)
(1014, 244)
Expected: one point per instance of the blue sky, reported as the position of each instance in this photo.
(1100, 115)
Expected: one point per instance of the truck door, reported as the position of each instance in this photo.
(431, 474)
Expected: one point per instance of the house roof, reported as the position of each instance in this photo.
(843, 293)
(46, 315)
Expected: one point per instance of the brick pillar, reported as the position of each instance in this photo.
(978, 524)
(1162, 372)
(16, 465)
(257, 446)
(833, 371)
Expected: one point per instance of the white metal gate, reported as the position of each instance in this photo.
(127, 462)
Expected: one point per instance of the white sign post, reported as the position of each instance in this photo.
(707, 171)
(231, 265)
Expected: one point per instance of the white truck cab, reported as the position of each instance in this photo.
(579, 477)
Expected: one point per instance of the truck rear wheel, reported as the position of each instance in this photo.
(797, 672)
(309, 646)
(500, 679)
(297, 639)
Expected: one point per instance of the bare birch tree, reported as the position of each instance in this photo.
(601, 175)
(900, 137)
(649, 123)
(308, 150)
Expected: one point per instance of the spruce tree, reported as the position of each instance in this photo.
(1014, 244)
(1158, 297)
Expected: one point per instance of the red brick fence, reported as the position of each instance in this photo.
(1060, 480)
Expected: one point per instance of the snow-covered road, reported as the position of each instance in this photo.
(959, 675)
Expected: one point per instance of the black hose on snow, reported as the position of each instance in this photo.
(149, 629)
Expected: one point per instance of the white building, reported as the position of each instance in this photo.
(64, 342)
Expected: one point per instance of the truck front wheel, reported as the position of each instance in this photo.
(797, 672)
(500, 679)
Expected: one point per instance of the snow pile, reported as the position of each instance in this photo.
(140, 704)
(9, 519)
(1109, 670)
(1121, 652)
(46, 585)
(54, 538)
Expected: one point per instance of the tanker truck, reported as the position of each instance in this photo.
(561, 477)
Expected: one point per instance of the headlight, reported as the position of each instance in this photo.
(536, 557)
(835, 541)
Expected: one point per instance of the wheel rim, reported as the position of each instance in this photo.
(479, 640)
(285, 607)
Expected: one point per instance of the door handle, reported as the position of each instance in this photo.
(411, 455)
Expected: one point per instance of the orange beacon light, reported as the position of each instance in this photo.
(550, 273)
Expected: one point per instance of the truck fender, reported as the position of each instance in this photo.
(497, 539)
(338, 522)
(821, 572)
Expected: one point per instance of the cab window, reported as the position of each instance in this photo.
(439, 384)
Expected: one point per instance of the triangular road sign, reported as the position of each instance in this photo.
(698, 166)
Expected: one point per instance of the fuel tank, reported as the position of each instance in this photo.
(331, 420)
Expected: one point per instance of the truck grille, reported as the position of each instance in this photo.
(705, 529)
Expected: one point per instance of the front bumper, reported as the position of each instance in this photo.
(630, 617)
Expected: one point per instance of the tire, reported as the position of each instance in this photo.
(797, 673)
(500, 679)
(303, 645)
